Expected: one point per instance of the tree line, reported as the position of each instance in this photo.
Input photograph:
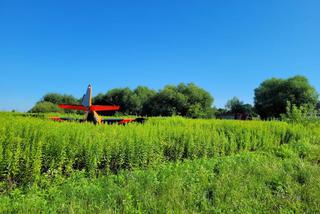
(271, 99)
(184, 99)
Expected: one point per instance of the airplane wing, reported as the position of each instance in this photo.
(104, 108)
(92, 108)
(74, 107)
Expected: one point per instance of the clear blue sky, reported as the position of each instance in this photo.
(226, 47)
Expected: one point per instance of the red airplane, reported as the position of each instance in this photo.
(91, 114)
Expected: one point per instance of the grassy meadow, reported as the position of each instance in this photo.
(167, 165)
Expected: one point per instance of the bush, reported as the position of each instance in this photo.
(304, 114)
(45, 107)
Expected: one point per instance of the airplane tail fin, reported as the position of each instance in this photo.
(86, 99)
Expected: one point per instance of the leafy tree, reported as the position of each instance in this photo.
(220, 112)
(50, 101)
(195, 98)
(235, 106)
(196, 111)
(130, 102)
(45, 107)
(117, 96)
(185, 100)
(60, 98)
(272, 95)
(142, 95)
(167, 102)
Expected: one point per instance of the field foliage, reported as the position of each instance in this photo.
(166, 165)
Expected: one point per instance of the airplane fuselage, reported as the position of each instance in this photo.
(92, 116)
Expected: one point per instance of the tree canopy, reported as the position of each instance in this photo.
(131, 102)
(45, 107)
(184, 99)
(235, 106)
(49, 102)
(189, 100)
(272, 96)
(59, 98)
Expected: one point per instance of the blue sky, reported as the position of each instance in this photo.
(225, 47)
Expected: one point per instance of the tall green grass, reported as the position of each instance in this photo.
(173, 165)
(31, 148)
(243, 183)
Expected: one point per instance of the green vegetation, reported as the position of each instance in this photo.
(272, 96)
(166, 165)
(49, 103)
(45, 107)
(189, 100)
(238, 109)
(131, 102)
(184, 100)
(304, 114)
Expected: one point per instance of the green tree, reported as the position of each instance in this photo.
(167, 102)
(117, 96)
(60, 98)
(142, 95)
(196, 97)
(235, 106)
(45, 107)
(185, 100)
(130, 102)
(272, 95)
(50, 101)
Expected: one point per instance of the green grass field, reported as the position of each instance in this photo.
(167, 165)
